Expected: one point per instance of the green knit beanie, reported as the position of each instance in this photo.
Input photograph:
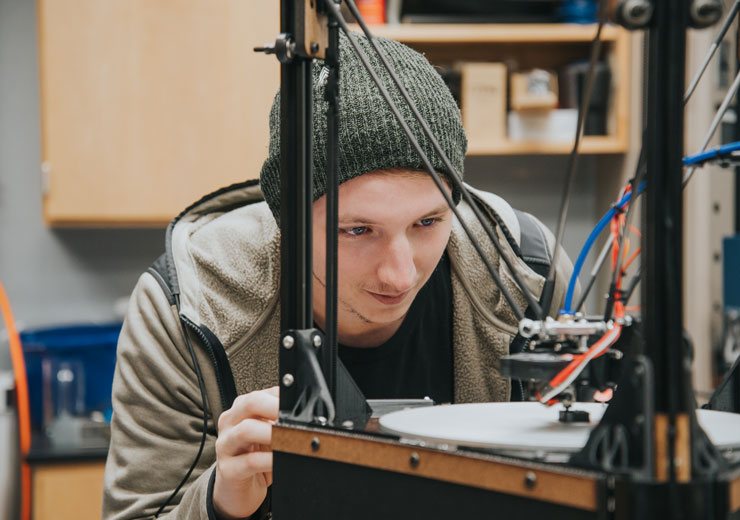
(370, 138)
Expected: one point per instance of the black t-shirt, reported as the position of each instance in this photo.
(417, 360)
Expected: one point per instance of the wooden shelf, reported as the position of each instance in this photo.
(527, 46)
(588, 145)
(493, 33)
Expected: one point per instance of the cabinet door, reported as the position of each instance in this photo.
(146, 106)
(67, 491)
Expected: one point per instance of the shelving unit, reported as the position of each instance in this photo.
(530, 46)
(145, 107)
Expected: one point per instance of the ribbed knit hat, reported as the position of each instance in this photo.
(370, 138)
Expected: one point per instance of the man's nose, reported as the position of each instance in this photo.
(397, 271)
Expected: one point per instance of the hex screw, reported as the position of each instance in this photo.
(315, 444)
(530, 480)
(317, 341)
(314, 48)
(414, 460)
(288, 379)
(288, 342)
(348, 424)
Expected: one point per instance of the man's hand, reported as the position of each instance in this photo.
(244, 453)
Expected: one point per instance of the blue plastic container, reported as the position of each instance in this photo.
(93, 347)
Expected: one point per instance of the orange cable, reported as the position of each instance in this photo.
(578, 358)
(631, 259)
(24, 414)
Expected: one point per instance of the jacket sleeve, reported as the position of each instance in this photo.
(157, 417)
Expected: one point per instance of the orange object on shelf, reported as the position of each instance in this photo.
(372, 11)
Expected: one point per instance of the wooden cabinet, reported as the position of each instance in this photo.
(67, 490)
(526, 46)
(146, 106)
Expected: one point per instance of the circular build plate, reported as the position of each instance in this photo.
(525, 426)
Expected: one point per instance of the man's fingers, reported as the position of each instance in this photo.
(246, 466)
(262, 404)
(242, 437)
(273, 390)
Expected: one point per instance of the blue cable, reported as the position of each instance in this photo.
(568, 304)
(696, 159)
(713, 153)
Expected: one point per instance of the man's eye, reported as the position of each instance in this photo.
(426, 222)
(356, 231)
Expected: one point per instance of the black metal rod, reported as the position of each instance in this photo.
(330, 351)
(662, 240)
(296, 195)
(296, 300)
(664, 214)
(570, 176)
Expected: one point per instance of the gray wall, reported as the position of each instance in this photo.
(51, 276)
(534, 184)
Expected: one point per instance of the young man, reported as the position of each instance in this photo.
(418, 313)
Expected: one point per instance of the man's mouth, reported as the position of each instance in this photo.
(389, 299)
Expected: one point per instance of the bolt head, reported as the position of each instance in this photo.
(530, 479)
(317, 341)
(288, 379)
(315, 444)
(288, 342)
(348, 424)
(414, 460)
(314, 48)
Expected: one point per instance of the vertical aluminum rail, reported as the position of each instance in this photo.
(296, 301)
(662, 271)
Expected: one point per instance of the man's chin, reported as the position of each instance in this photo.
(386, 314)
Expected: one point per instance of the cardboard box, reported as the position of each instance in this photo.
(534, 90)
(483, 102)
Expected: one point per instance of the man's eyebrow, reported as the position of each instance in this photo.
(363, 220)
(355, 219)
(436, 211)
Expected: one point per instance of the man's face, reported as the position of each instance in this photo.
(393, 229)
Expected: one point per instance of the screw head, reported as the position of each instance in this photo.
(530, 479)
(288, 379)
(314, 48)
(317, 341)
(348, 424)
(414, 460)
(288, 342)
(315, 444)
